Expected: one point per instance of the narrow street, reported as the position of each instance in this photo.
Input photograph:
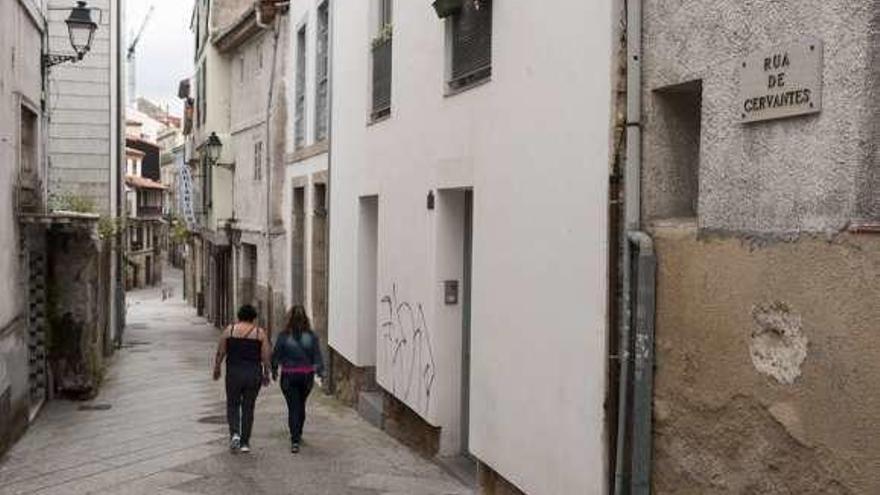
(158, 426)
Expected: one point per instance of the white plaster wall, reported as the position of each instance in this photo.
(534, 145)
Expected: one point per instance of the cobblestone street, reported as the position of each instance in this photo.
(158, 426)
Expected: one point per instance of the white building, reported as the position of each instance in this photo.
(469, 237)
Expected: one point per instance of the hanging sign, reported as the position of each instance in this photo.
(780, 82)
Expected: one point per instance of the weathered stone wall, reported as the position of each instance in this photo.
(767, 370)
(14, 399)
(78, 315)
(492, 483)
(350, 380)
(409, 428)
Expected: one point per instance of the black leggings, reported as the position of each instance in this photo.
(242, 386)
(296, 388)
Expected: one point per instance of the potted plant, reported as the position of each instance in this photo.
(446, 8)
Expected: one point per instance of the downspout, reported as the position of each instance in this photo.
(331, 384)
(631, 224)
(270, 303)
(643, 375)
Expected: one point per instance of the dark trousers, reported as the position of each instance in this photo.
(296, 388)
(242, 386)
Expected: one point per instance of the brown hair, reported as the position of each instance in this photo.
(297, 320)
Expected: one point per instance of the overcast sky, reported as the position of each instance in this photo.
(165, 52)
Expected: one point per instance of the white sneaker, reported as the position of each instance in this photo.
(245, 449)
(235, 443)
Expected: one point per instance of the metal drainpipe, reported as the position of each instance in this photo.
(631, 222)
(328, 373)
(643, 375)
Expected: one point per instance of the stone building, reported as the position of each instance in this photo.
(766, 237)
(145, 225)
(255, 50)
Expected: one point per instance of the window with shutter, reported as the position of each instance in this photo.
(382, 52)
(299, 131)
(471, 43)
(321, 73)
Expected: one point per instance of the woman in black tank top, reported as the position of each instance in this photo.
(245, 348)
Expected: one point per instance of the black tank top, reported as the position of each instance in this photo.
(243, 351)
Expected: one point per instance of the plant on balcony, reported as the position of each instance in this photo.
(446, 8)
(385, 34)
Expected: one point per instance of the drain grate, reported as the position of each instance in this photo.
(94, 407)
(213, 420)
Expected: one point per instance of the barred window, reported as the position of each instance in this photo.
(299, 131)
(382, 56)
(258, 160)
(471, 43)
(322, 73)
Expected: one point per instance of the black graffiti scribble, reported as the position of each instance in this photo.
(407, 350)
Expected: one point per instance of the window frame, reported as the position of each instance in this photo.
(478, 76)
(322, 71)
(300, 121)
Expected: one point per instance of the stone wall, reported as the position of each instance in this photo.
(349, 380)
(14, 399)
(78, 313)
(492, 483)
(767, 366)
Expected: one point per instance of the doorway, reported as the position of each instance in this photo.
(467, 257)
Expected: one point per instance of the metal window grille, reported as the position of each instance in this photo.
(382, 53)
(321, 73)
(472, 43)
(258, 160)
(299, 132)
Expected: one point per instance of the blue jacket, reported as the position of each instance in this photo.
(297, 352)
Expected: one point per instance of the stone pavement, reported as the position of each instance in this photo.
(158, 427)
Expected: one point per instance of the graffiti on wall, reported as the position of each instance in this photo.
(407, 350)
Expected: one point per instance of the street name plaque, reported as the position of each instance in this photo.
(784, 81)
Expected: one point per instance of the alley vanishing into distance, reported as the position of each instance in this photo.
(158, 426)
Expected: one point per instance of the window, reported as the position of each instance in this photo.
(471, 41)
(202, 94)
(258, 160)
(382, 62)
(28, 149)
(321, 73)
(299, 131)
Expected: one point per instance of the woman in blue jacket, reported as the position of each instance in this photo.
(298, 354)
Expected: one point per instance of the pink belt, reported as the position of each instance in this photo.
(297, 370)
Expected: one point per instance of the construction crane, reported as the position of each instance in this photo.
(131, 58)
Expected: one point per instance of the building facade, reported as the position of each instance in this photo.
(765, 230)
(22, 134)
(469, 240)
(255, 49)
(305, 193)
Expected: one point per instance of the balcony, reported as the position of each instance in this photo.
(381, 78)
(149, 211)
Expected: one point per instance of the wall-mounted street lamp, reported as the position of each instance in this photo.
(81, 30)
(213, 146)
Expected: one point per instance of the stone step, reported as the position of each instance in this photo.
(371, 406)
